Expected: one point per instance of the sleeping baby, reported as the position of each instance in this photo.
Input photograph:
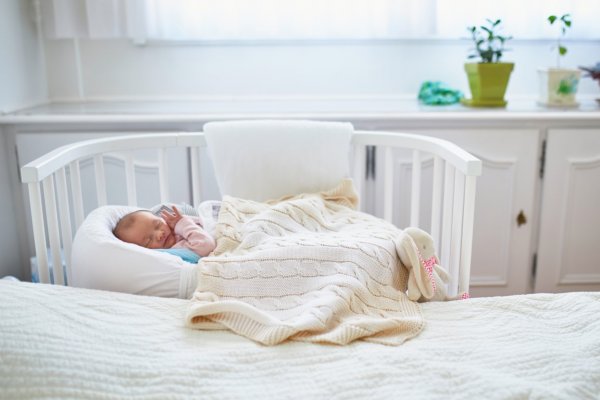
(171, 230)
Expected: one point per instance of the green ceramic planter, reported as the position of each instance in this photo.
(488, 82)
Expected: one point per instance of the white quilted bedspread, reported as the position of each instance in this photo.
(58, 342)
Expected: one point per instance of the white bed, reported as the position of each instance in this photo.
(63, 342)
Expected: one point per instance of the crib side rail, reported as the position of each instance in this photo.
(49, 194)
(453, 195)
(455, 155)
(40, 168)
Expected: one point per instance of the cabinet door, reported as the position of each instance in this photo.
(569, 244)
(502, 248)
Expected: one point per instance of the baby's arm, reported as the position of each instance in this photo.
(197, 239)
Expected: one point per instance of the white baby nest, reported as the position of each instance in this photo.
(54, 202)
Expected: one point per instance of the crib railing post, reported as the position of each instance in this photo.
(76, 193)
(195, 175)
(447, 215)
(457, 220)
(358, 171)
(415, 192)
(436, 201)
(65, 218)
(388, 186)
(163, 175)
(100, 180)
(53, 231)
(467, 234)
(130, 179)
(39, 231)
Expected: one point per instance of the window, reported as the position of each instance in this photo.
(243, 20)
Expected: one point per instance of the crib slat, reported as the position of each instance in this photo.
(388, 186)
(467, 235)
(415, 193)
(196, 175)
(162, 175)
(447, 215)
(65, 218)
(130, 179)
(100, 180)
(358, 171)
(53, 231)
(457, 219)
(39, 232)
(436, 201)
(76, 193)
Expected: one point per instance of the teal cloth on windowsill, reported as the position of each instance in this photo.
(438, 94)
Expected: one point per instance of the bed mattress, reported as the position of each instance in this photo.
(62, 342)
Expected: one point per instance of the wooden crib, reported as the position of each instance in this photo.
(55, 190)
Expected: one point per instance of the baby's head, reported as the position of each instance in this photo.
(145, 229)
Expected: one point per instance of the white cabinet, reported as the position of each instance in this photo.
(518, 215)
(569, 244)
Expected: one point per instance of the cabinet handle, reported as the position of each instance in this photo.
(521, 218)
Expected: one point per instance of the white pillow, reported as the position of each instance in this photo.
(101, 261)
(262, 160)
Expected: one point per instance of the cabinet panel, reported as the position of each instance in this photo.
(569, 245)
(502, 248)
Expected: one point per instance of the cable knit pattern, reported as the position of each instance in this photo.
(309, 268)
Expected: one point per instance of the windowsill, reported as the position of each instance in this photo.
(360, 108)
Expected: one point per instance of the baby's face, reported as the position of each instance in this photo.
(149, 231)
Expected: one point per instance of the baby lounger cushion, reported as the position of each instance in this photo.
(101, 261)
(264, 160)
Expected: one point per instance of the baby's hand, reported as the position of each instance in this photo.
(171, 219)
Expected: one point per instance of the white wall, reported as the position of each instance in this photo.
(22, 72)
(22, 83)
(116, 69)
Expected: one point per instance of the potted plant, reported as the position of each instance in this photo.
(489, 77)
(594, 73)
(558, 86)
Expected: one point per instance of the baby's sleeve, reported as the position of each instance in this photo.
(196, 238)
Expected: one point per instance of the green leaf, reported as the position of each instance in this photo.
(562, 50)
(567, 23)
(497, 22)
(551, 19)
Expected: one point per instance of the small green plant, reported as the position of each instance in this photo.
(489, 45)
(565, 23)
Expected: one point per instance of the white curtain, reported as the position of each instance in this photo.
(288, 19)
(522, 19)
(94, 19)
(239, 20)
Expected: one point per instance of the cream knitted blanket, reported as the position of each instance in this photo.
(307, 268)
